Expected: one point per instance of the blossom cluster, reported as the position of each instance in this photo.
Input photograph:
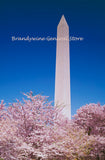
(35, 129)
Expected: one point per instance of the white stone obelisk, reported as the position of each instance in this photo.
(62, 77)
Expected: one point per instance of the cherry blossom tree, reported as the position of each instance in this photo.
(26, 129)
(91, 118)
(34, 129)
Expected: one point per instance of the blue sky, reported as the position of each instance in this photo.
(26, 66)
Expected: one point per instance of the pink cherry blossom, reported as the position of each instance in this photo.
(35, 129)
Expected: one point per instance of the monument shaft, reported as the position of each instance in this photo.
(62, 77)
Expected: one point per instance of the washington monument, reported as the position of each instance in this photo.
(62, 75)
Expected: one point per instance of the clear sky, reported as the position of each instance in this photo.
(26, 66)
